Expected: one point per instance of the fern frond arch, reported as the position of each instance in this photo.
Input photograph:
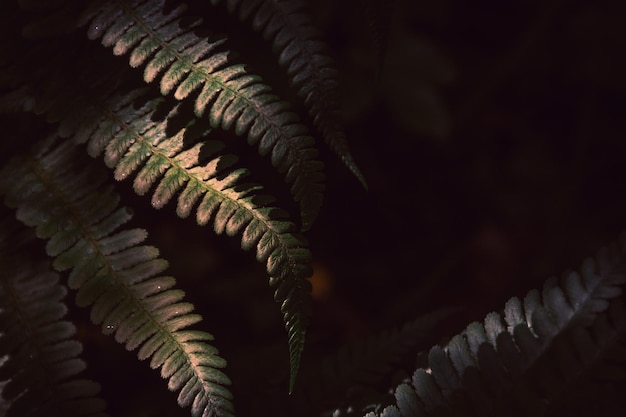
(184, 62)
(213, 190)
(138, 143)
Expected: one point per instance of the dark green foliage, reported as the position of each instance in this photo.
(118, 125)
(217, 111)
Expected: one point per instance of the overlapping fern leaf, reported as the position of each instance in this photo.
(41, 358)
(514, 363)
(115, 273)
(138, 142)
(311, 71)
(187, 64)
(153, 141)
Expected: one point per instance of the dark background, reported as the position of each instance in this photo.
(491, 136)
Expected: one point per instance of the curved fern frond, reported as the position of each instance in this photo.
(114, 274)
(231, 97)
(42, 362)
(311, 71)
(135, 143)
(512, 364)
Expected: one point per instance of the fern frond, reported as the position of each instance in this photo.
(135, 143)
(512, 363)
(42, 358)
(114, 274)
(311, 71)
(184, 63)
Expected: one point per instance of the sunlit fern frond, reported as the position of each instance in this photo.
(514, 363)
(160, 151)
(114, 273)
(187, 64)
(311, 71)
(137, 144)
(39, 357)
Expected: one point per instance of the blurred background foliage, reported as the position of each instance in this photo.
(492, 137)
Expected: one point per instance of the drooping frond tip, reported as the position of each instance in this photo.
(289, 26)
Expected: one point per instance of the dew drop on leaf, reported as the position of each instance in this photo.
(94, 30)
